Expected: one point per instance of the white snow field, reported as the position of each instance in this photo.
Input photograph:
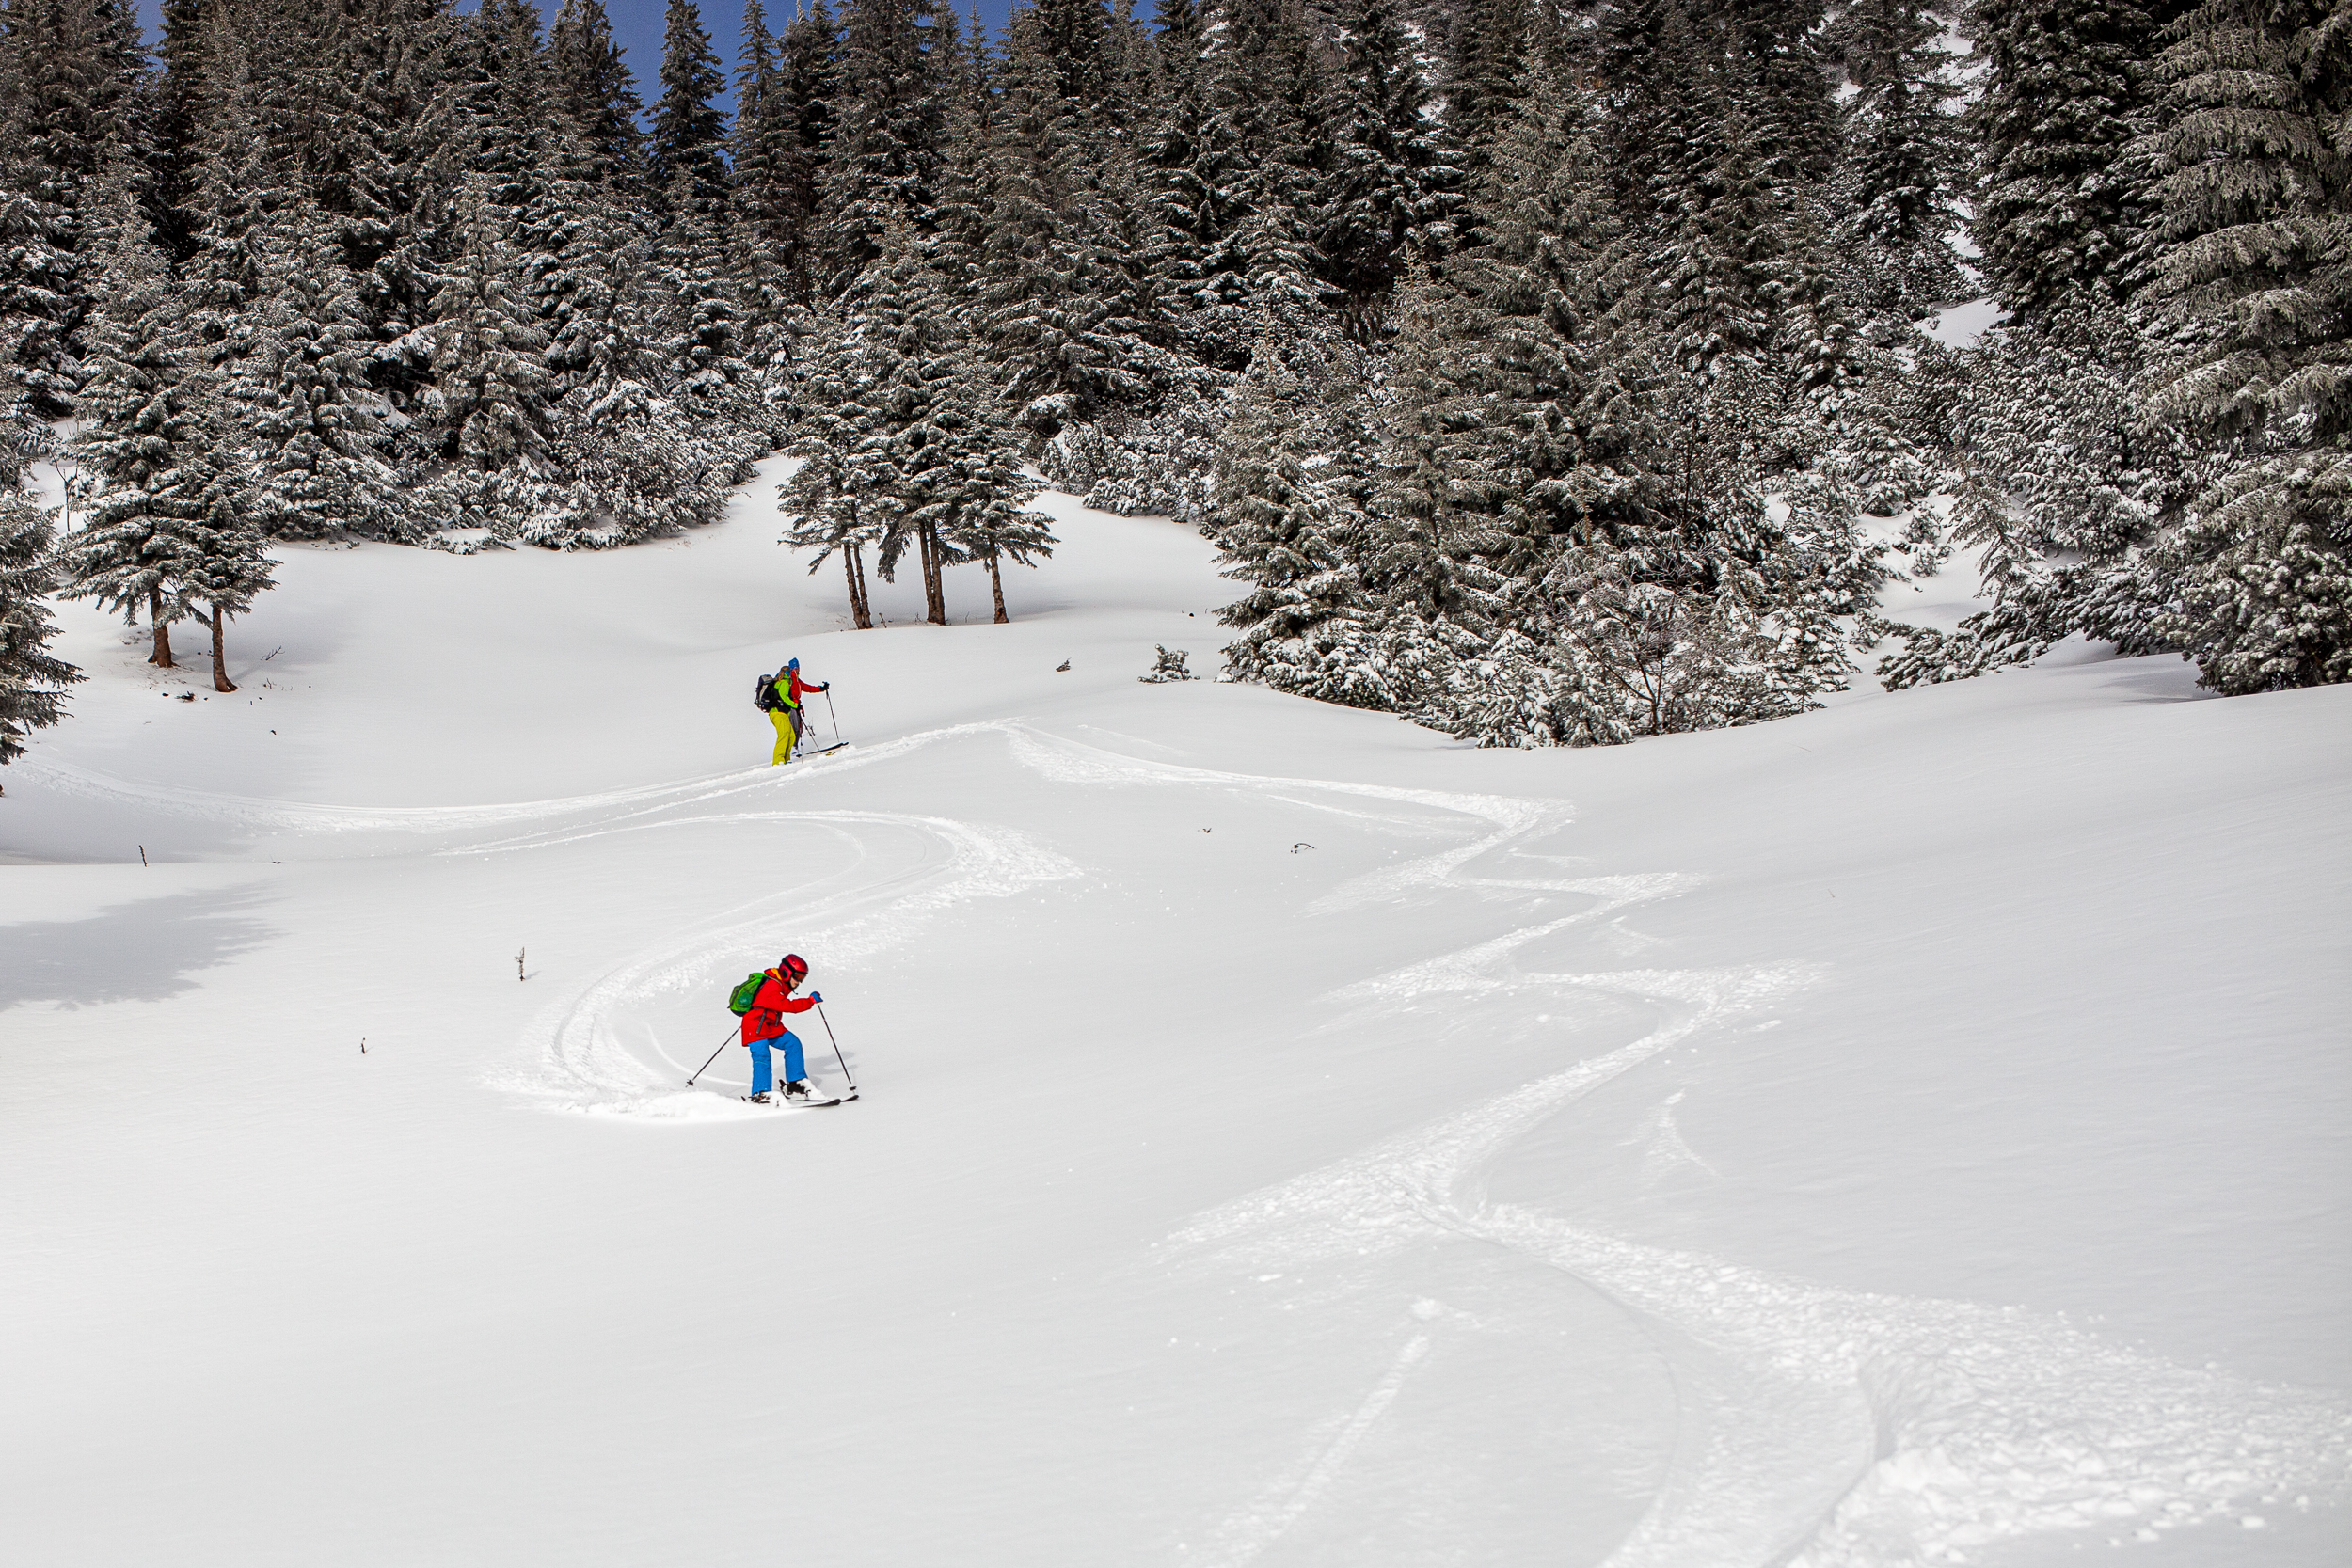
(1915, 1132)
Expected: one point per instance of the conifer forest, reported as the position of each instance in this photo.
(1548, 373)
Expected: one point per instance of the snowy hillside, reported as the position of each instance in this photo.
(1912, 1132)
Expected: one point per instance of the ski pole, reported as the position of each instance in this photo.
(714, 1056)
(837, 1045)
(834, 717)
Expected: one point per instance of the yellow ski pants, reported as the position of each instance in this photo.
(788, 734)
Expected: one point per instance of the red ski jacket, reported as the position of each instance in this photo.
(797, 690)
(765, 1019)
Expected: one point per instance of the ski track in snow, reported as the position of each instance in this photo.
(580, 1060)
(1815, 1427)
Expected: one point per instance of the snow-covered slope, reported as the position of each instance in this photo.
(1916, 1132)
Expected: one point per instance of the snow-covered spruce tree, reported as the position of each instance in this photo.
(701, 337)
(173, 528)
(1392, 184)
(766, 214)
(971, 487)
(32, 680)
(297, 393)
(37, 305)
(1486, 41)
(1287, 515)
(2065, 94)
(1176, 205)
(488, 404)
(242, 177)
(2257, 260)
(1259, 269)
(801, 110)
(1060, 306)
(834, 493)
(71, 96)
(895, 451)
(594, 88)
(1484, 468)
(143, 428)
(627, 462)
(1788, 99)
(888, 120)
(1905, 158)
(404, 137)
(225, 563)
(686, 161)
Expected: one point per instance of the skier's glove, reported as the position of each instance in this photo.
(817, 996)
(827, 686)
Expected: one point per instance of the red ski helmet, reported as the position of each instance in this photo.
(793, 967)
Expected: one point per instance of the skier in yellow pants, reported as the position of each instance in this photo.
(784, 695)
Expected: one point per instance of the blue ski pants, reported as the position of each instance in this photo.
(763, 1074)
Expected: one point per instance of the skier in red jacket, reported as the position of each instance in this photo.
(764, 1022)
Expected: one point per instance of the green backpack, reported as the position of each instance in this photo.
(739, 1000)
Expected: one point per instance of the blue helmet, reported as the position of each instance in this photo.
(792, 664)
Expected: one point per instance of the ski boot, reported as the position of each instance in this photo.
(762, 1098)
(800, 1088)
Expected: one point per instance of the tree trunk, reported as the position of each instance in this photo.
(850, 569)
(934, 593)
(864, 596)
(220, 650)
(161, 655)
(996, 586)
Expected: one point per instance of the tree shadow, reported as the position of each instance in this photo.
(138, 952)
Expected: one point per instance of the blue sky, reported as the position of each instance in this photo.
(637, 23)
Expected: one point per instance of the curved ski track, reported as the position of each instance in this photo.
(1815, 1427)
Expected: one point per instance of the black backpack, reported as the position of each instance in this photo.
(766, 695)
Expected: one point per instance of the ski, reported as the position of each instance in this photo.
(822, 750)
(782, 1103)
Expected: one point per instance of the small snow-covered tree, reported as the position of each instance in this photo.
(1168, 666)
(32, 680)
(224, 563)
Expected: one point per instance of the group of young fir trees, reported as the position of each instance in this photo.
(1650, 369)
(1536, 366)
(2156, 450)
